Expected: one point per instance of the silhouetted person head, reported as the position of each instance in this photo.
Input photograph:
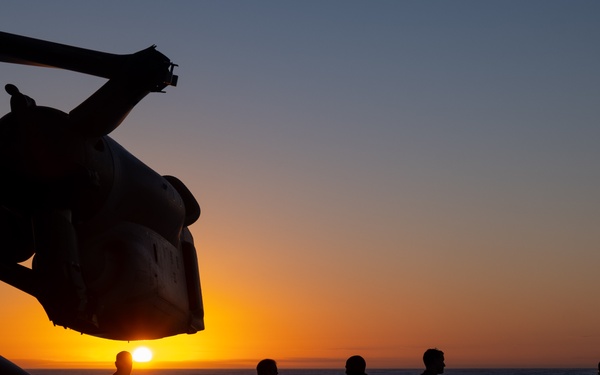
(266, 367)
(356, 365)
(434, 362)
(598, 368)
(124, 362)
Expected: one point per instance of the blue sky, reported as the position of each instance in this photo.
(391, 148)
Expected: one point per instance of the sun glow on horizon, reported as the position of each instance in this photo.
(142, 354)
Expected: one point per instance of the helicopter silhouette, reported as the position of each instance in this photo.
(112, 253)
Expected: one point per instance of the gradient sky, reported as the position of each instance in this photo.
(376, 177)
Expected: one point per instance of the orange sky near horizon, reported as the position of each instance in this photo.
(244, 327)
(375, 178)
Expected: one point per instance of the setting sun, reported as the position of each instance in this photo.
(142, 354)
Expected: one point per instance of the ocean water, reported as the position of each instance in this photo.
(283, 371)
